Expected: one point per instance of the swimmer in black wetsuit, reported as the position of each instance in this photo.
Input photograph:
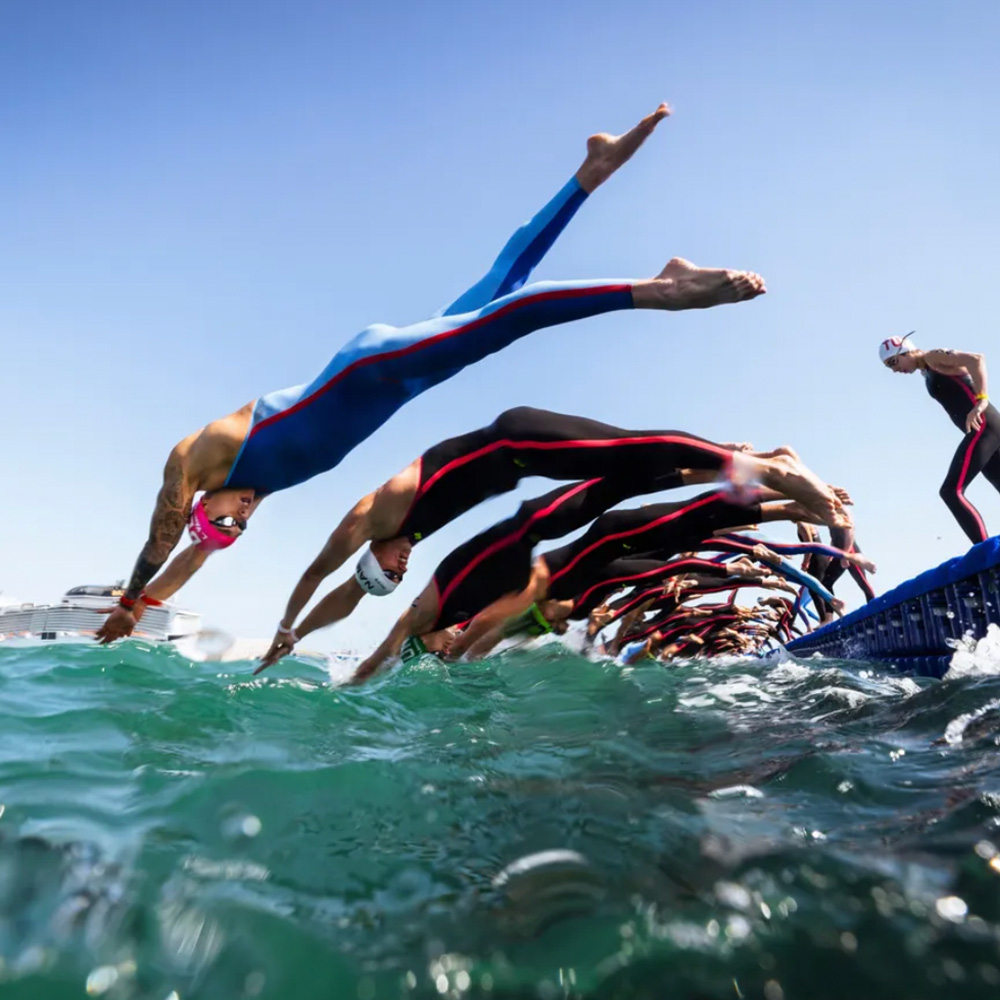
(835, 567)
(498, 559)
(455, 475)
(482, 577)
(957, 380)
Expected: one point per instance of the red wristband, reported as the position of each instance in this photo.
(126, 602)
(150, 602)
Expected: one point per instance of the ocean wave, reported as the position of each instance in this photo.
(535, 825)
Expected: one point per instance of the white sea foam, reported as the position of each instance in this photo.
(847, 696)
(955, 731)
(976, 658)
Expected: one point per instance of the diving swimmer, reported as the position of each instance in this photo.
(491, 578)
(454, 476)
(286, 437)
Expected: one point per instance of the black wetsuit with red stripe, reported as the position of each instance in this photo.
(657, 531)
(461, 472)
(978, 452)
(620, 573)
(674, 622)
(839, 538)
(662, 603)
(497, 561)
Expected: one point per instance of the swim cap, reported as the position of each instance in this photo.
(203, 533)
(372, 577)
(895, 345)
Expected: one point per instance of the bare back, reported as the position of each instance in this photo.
(209, 454)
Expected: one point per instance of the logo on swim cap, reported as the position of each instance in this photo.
(372, 578)
(895, 345)
(205, 535)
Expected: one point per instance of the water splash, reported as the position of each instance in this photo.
(976, 658)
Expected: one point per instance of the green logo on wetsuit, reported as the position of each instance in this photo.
(412, 649)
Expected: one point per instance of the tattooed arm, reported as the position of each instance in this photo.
(173, 506)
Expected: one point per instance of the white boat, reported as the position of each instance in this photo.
(76, 616)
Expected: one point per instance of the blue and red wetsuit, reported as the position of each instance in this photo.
(299, 432)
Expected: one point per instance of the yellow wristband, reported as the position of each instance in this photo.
(982, 395)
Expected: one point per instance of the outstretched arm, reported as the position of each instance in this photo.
(337, 605)
(492, 618)
(418, 620)
(352, 532)
(179, 570)
(483, 646)
(173, 507)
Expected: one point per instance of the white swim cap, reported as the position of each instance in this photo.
(895, 345)
(372, 577)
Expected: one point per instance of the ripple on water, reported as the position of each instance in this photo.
(537, 825)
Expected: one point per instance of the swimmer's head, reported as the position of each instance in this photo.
(219, 518)
(895, 353)
(382, 567)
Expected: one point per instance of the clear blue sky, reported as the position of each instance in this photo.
(200, 202)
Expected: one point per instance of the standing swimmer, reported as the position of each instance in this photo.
(957, 380)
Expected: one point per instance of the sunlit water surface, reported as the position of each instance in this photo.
(534, 826)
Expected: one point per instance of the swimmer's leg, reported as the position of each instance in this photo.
(605, 154)
(991, 471)
(975, 450)
(424, 354)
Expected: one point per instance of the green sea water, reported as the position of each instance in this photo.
(534, 826)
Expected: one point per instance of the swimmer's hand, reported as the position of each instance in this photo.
(772, 602)
(281, 645)
(676, 585)
(975, 418)
(744, 446)
(699, 612)
(599, 617)
(117, 625)
(743, 568)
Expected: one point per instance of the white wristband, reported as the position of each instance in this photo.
(290, 632)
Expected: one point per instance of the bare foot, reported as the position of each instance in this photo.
(784, 449)
(683, 285)
(606, 153)
(799, 483)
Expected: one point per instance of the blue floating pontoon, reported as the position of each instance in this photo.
(908, 627)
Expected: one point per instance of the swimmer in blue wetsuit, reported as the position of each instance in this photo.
(286, 437)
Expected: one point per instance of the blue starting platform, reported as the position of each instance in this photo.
(907, 627)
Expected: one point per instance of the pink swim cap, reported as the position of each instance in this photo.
(203, 533)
